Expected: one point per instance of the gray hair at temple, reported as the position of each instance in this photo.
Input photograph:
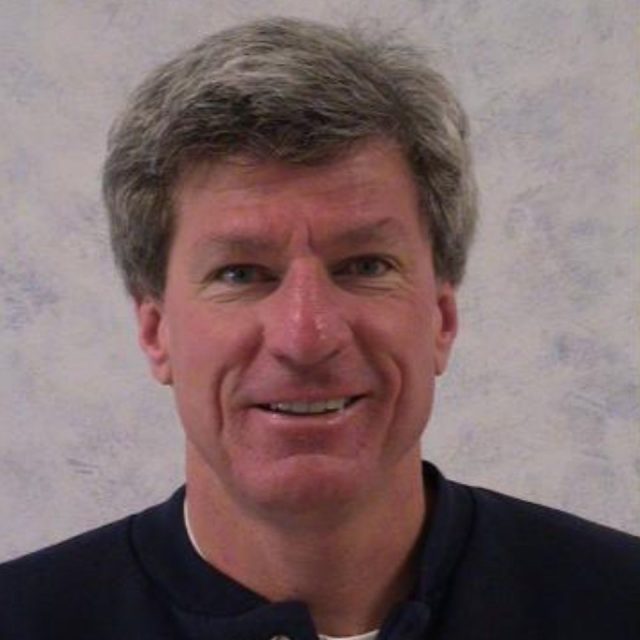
(294, 91)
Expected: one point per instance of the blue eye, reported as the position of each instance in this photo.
(241, 274)
(365, 266)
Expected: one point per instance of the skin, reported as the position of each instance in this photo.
(304, 284)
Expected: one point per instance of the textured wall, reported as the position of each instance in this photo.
(542, 399)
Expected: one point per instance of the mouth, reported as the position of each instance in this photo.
(301, 408)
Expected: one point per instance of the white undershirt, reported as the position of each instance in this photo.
(187, 526)
(370, 635)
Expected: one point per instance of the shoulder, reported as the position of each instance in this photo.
(69, 590)
(523, 570)
(72, 560)
(56, 586)
(556, 552)
(535, 525)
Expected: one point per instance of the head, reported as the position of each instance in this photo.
(291, 207)
(293, 91)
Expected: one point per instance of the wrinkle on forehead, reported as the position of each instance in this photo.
(385, 230)
(252, 208)
(249, 174)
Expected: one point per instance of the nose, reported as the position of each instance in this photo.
(305, 324)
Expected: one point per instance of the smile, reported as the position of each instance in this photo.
(310, 408)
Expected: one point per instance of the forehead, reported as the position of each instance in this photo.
(369, 190)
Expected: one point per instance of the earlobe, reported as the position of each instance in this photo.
(153, 338)
(446, 325)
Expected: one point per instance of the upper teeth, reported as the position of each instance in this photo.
(310, 407)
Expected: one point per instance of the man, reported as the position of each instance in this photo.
(291, 207)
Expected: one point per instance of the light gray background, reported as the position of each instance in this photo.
(542, 398)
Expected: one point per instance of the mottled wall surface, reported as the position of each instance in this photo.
(542, 399)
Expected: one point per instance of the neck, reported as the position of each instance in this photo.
(349, 573)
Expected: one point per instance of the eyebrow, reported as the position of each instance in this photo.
(386, 230)
(235, 242)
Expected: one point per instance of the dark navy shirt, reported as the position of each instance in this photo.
(491, 567)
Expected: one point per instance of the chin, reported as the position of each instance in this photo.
(302, 485)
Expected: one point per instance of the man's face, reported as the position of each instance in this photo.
(301, 327)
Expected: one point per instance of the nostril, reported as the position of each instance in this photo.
(305, 343)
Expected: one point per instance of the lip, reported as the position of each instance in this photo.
(328, 418)
(303, 408)
(310, 397)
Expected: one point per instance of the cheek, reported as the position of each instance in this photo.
(404, 330)
(397, 338)
(207, 353)
(411, 348)
(202, 340)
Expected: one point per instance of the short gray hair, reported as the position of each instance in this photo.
(295, 91)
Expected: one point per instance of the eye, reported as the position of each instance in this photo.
(239, 274)
(364, 267)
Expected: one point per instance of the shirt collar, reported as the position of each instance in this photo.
(161, 542)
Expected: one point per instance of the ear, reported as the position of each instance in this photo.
(445, 324)
(153, 337)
